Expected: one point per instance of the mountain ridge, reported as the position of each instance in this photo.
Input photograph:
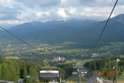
(83, 32)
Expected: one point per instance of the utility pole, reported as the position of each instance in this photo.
(78, 80)
(117, 66)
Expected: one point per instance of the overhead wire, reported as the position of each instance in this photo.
(16, 37)
(98, 41)
(106, 24)
(19, 38)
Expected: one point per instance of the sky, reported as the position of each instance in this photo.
(21, 11)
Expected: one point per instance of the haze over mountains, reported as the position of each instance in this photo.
(78, 31)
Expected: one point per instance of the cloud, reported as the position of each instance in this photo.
(6, 2)
(20, 11)
(86, 2)
(40, 3)
(62, 13)
(9, 22)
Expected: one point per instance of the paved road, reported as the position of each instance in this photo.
(91, 79)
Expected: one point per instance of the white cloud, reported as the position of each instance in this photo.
(67, 3)
(42, 14)
(62, 13)
(40, 3)
(9, 22)
(40, 10)
(6, 2)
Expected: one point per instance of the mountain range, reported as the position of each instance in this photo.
(84, 32)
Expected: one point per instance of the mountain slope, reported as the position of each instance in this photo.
(83, 32)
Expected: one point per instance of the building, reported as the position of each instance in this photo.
(59, 59)
(46, 76)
